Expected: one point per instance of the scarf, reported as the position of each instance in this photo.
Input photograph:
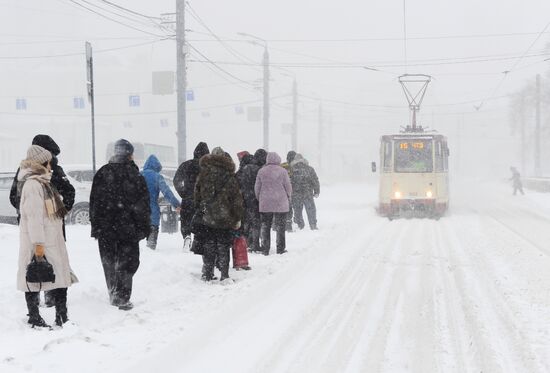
(52, 200)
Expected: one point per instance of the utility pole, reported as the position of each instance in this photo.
(537, 128)
(181, 77)
(321, 135)
(266, 98)
(523, 136)
(294, 130)
(90, 87)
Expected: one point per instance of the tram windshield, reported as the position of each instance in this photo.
(413, 155)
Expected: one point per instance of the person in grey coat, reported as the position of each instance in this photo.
(305, 185)
(273, 191)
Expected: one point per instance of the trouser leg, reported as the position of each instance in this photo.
(48, 299)
(266, 221)
(186, 215)
(311, 211)
(208, 259)
(127, 264)
(280, 222)
(153, 237)
(107, 252)
(254, 218)
(223, 258)
(298, 205)
(288, 224)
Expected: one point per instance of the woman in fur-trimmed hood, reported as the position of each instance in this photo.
(219, 200)
(41, 234)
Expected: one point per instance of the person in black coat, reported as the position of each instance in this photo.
(59, 180)
(184, 182)
(219, 199)
(247, 181)
(305, 187)
(120, 218)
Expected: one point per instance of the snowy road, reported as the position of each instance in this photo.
(467, 293)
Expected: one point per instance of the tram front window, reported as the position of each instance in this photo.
(413, 156)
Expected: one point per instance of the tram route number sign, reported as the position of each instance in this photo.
(414, 145)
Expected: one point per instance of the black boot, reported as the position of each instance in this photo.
(35, 320)
(153, 237)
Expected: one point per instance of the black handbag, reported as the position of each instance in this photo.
(39, 271)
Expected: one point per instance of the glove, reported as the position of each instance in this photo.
(316, 195)
(39, 251)
(238, 225)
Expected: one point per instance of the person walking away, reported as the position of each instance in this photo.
(244, 160)
(289, 158)
(305, 187)
(41, 235)
(156, 184)
(120, 218)
(247, 183)
(184, 182)
(58, 180)
(220, 207)
(516, 181)
(273, 191)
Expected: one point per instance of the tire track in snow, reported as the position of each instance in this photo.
(502, 346)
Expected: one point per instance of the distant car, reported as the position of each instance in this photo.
(8, 214)
(80, 173)
(80, 213)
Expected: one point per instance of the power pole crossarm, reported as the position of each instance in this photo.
(181, 77)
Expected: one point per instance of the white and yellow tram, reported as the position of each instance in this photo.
(414, 178)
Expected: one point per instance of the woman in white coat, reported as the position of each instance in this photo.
(41, 235)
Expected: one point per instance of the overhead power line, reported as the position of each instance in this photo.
(112, 19)
(129, 10)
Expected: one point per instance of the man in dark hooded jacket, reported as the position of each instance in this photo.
(289, 158)
(120, 218)
(305, 187)
(59, 181)
(247, 181)
(184, 182)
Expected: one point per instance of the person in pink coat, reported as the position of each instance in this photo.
(273, 191)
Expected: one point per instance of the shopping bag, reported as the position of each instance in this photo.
(240, 253)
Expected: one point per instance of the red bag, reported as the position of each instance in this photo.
(240, 253)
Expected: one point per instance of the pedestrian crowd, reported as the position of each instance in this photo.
(221, 208)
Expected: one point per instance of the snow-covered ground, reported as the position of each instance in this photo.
(467, 293)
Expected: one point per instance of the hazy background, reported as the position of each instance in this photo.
(466, 46)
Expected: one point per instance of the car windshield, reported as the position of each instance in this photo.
(413, 156)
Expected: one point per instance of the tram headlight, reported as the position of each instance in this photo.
(397, 194)
(429, 194)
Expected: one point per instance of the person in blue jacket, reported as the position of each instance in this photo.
(156, 184)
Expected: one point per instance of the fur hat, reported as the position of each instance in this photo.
(123, 147)
(47, 143)
(38, 154)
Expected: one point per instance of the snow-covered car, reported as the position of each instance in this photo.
(8, 214)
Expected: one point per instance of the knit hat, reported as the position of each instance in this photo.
(290, 156)
(218, 151)
(123, 147)
(38, 154)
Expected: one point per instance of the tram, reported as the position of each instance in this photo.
(414, 175)
(414, 164)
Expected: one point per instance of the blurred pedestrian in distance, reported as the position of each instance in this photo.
(516, 181)
(156, 184)
(273, 191)
(184, 182)
(219, 205)
(305, 187)
(120, 215)
(41, 225)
